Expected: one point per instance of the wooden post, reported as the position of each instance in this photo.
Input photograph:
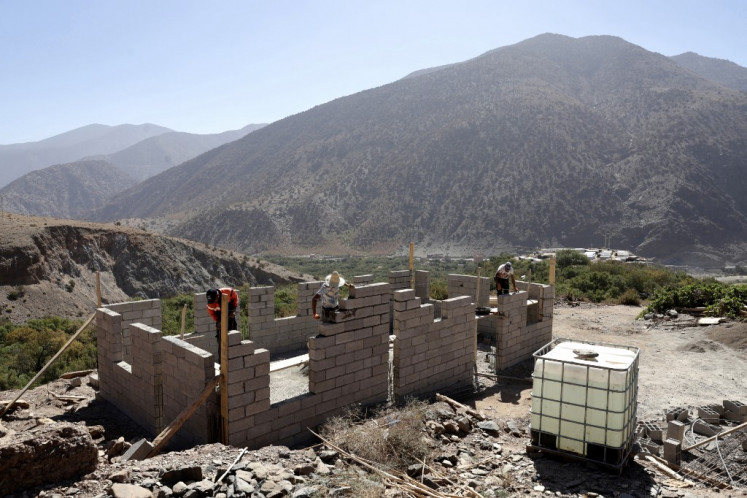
(477, 303)
(412, 265)
(98, 289)
(184, 319)
(552, 271)
(52, 360)
(224, 367)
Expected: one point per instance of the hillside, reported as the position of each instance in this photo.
(48, 267)
(554, 141)
(65, 190)
(721, 71)
(92, 140)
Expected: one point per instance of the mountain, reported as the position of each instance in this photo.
(719, 70)
(64, 190)
(48, 266)
(69, 190)
(553, 141)
(156, 154)
(18, 159)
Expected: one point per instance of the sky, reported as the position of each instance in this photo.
(212, 66)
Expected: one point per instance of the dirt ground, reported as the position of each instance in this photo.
(681, 364)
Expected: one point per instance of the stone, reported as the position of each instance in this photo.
(120, 490)
(32, 458)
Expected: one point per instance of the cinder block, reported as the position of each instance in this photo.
(705, 429)
(708, 415)
(736, 407)
(676, 430)
(673, 451)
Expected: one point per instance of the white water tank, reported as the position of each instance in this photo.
(584, 399)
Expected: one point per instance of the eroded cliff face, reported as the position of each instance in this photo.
(49, 266)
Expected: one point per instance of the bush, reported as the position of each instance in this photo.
(630, 298)
(16, 293)
(569, 257)
(285, 301)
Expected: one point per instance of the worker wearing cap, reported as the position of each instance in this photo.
(213, 306)
(502, 276)
(329, 293)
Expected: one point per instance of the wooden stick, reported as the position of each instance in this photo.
(241, 453)
(184, 319)
(478, 415)
(183, 416)
(224, 368)
(720, 434)
(505, 377)
(663, 468)
(52, 360)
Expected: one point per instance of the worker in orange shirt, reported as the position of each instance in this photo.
(213, 306)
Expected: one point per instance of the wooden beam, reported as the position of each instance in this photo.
(478, 415)
(288, 363)
(52, 360)
(224, 368)
(160, 441)
(720, 434)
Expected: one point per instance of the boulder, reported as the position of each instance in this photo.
(45, 454)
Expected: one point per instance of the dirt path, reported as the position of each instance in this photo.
(681, 364)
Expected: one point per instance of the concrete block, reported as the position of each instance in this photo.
(708, 415)
(705, 429)
(736, 407)
(673, 451)
(676, 430)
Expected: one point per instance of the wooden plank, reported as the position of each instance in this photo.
(160, 441)
(52, 360)
(224, 368)
(289, 362)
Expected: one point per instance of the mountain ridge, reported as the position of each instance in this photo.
(590, 136)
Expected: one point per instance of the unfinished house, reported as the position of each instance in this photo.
(388, 341)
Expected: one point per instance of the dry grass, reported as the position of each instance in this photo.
(393, 439)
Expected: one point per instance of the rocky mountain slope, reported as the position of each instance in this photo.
(48, 266)
(554, 141)
(65, 190)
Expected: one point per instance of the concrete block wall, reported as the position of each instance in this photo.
(466, 285)
(186, 370)
(363, 279)
(281, 335)
(348, 363)
(400, 279)
(522, 325)
(432, 355)
(135, 387)
(423, 285)
(147, 312)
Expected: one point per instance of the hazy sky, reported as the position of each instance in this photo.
(211, 66)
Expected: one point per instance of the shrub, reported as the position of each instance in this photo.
(438, 290)
(630, 298)
(569, 257)
(16, 293)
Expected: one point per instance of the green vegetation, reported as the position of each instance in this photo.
(25, 349)
(718, 299)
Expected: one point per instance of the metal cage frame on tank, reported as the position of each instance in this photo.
(584, 406)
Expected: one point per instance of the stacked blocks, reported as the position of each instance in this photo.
(281, 335)
(432, 355)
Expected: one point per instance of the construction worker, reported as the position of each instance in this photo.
(329, 293)
(213, 306)
(502, 276)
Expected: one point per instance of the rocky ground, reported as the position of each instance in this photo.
(682, 364)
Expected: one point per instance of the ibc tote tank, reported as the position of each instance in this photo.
(584, 400)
